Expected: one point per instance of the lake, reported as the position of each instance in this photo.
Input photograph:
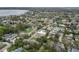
(11, 12)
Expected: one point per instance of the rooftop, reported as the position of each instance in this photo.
(18, 50)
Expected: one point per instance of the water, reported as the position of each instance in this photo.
(11, 12)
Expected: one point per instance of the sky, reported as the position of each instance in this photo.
(39, 3)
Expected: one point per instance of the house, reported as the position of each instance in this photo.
(1, 19)
(10, 37)
(18, 50)
(41, 32)
(68, 36)
(59, 47)
(62, 25)
(49, 28)
(64, 21)
(56, 30)
(76, 37)
(6, 22)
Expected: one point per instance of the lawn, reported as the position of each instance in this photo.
(2, 29)
(28, 30)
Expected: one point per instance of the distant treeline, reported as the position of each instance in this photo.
(68, 9)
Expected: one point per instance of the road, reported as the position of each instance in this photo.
(5, 48)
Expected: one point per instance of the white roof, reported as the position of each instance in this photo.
(41, 32)
(9, 36)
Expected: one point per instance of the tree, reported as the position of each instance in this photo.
(1, 39)
(42, 39)
(18, 43)
(20, 26)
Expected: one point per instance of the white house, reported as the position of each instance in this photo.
(41, 32)
(10, 37)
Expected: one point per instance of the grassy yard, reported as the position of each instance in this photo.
(28, 30)
(2, 29)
